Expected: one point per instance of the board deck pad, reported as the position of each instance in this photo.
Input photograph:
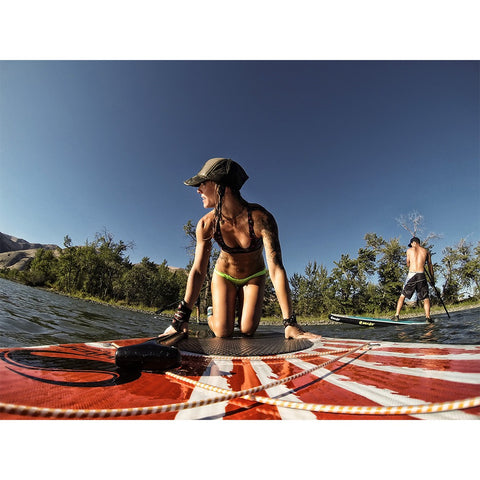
(243, 346)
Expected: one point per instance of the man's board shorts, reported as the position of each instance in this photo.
(416, 282)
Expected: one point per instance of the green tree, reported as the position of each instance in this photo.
(295, 284)
(67, 267)
(151, 285)
(270, 308)
(44, 267)
(139, 283)
(110, 263)
(390, 270)
(474, 269)
(171, 285)
(461, 269)
(312, 290)
(350, 281)
(95, 269)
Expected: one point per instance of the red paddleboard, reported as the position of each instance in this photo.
(261, 378)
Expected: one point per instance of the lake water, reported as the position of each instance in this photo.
(29, 317)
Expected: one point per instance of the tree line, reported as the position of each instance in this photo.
(102, 270)
(368, 283)
(371, 282)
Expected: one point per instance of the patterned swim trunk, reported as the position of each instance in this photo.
(416, 282)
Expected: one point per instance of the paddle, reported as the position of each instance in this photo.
(430, 280)
(156, 354)
(164, 307)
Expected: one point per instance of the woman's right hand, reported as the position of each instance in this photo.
(179, 320)
(170, 330)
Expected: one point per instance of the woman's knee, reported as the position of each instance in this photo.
(220, 330)
(248, 331)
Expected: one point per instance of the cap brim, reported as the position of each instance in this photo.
(194, 181)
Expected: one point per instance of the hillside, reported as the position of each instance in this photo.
(18, 253)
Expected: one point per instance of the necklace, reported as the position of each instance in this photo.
(233, 219)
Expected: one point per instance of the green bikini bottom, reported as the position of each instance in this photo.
(240, 282)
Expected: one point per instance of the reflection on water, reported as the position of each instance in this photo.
(29, 317)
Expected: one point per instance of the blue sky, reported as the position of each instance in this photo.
(334, 149)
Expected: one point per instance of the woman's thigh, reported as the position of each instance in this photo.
(224, 295)
(251, 311)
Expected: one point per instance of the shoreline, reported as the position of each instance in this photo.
(435, 310)
(419, 312)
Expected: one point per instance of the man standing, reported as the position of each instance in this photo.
(416, 281)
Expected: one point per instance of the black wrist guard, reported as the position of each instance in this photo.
(182, 315)
(291, 321)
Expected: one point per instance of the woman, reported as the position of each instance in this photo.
(242, 230)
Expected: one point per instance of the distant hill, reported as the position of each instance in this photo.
(18, 253)
(12, 244)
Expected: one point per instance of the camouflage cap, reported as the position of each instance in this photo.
(220, 170)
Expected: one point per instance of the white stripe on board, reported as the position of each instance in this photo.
(214, 375)
(406, 345)
(448, 356)
(381, 396)
(447, 376)
(280, 392)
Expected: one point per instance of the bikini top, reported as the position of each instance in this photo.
(255, 242)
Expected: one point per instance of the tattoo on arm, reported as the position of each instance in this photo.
(271, 235)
